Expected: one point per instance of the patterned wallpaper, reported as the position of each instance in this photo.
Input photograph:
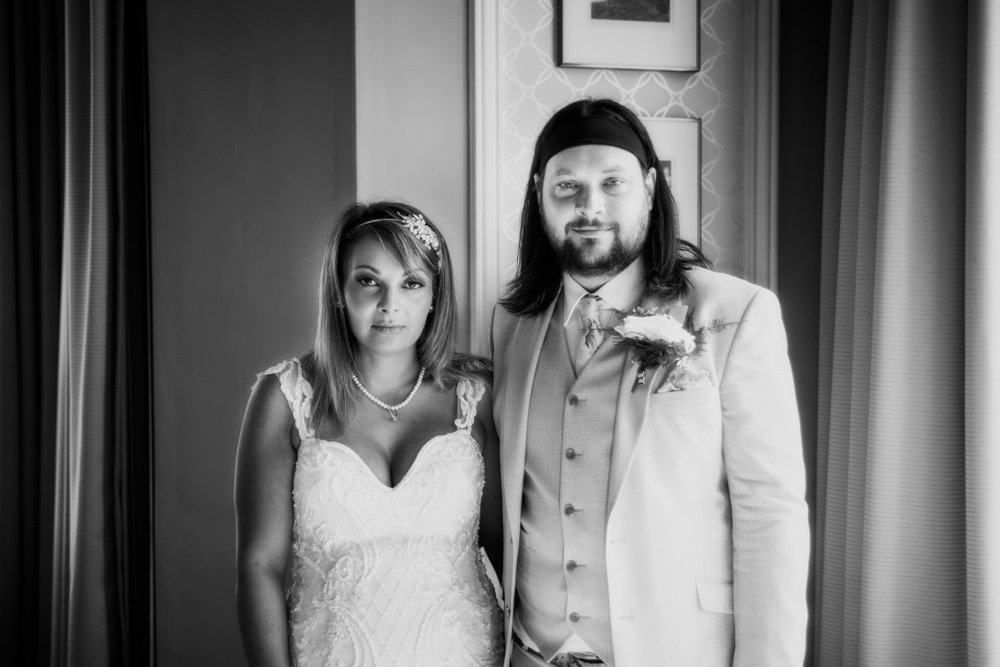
(532, 87)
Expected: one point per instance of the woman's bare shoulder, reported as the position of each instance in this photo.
(268, 416)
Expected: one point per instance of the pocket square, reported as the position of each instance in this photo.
(685, 376)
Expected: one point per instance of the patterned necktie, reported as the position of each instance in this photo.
(593, 333)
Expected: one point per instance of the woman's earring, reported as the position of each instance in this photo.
(432, 309)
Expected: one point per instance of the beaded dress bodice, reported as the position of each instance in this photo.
(389, 575)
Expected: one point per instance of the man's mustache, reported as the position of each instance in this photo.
(590, 226)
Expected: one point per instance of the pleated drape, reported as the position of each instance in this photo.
(896, 521)
(102, 598)
(84, 589)
(982, 333)
(30, 255)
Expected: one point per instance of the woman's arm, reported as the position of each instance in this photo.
(491, 507)
(265, 462)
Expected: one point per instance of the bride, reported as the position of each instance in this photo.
(367, 474)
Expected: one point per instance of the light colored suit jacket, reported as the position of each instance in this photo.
(707, 530)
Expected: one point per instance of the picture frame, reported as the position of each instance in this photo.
(629, 34)
(678, 145)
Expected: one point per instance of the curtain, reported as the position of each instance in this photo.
(982, 338)
(102, 601)
(30, 249)
(907, 558)
(76, 450)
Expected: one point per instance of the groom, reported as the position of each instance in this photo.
(652, 467)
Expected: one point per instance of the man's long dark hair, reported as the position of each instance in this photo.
(666, 255)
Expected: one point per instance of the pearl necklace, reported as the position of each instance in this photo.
(393, 409)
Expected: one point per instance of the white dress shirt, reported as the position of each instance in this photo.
(619, 295)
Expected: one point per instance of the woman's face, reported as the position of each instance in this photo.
(387, 304)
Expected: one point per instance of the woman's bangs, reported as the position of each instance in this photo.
(407, 249)
(398, 242)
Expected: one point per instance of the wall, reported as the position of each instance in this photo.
(805, 39)
(252, 145)
(802, 106)
(413, 128)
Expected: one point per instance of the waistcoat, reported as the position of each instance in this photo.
(561, 573)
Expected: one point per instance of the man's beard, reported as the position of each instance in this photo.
(585, 260)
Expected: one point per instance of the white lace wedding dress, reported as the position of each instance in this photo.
(389, 575)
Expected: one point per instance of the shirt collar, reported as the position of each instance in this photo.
(623, 292)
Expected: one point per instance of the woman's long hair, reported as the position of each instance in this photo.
(666, 255)
(333, 357)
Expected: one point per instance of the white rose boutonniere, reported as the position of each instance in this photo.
(660, 340)
(660, 331)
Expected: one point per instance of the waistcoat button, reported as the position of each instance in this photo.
(574, 617)
(568, 509)
(573, 400)
(571, 453)
(571, 565)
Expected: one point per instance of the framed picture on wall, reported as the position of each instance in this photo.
(629, 34)
(678, 145)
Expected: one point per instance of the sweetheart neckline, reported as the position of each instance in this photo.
(406, 475)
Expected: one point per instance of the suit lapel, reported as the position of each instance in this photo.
(631, 413)
(632, 407)
(528, 335)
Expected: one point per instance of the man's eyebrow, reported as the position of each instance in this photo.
(566, 171)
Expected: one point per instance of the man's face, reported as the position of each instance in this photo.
(595, 202)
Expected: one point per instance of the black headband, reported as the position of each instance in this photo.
(591, 130)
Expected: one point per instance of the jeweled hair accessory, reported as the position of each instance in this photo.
(418, 227)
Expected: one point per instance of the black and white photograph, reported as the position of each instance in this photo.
(629, 34)
(387, 333)
(667, 167)
(678, 145)
(631, 10)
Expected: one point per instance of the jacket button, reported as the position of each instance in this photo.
(573, 400)
(571, 453)
(568, 509)
(574, 617)
(571, 565)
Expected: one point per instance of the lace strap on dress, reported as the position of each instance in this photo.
(298, 392)
(470, 392)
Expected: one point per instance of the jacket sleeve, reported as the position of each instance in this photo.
(762, 450)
